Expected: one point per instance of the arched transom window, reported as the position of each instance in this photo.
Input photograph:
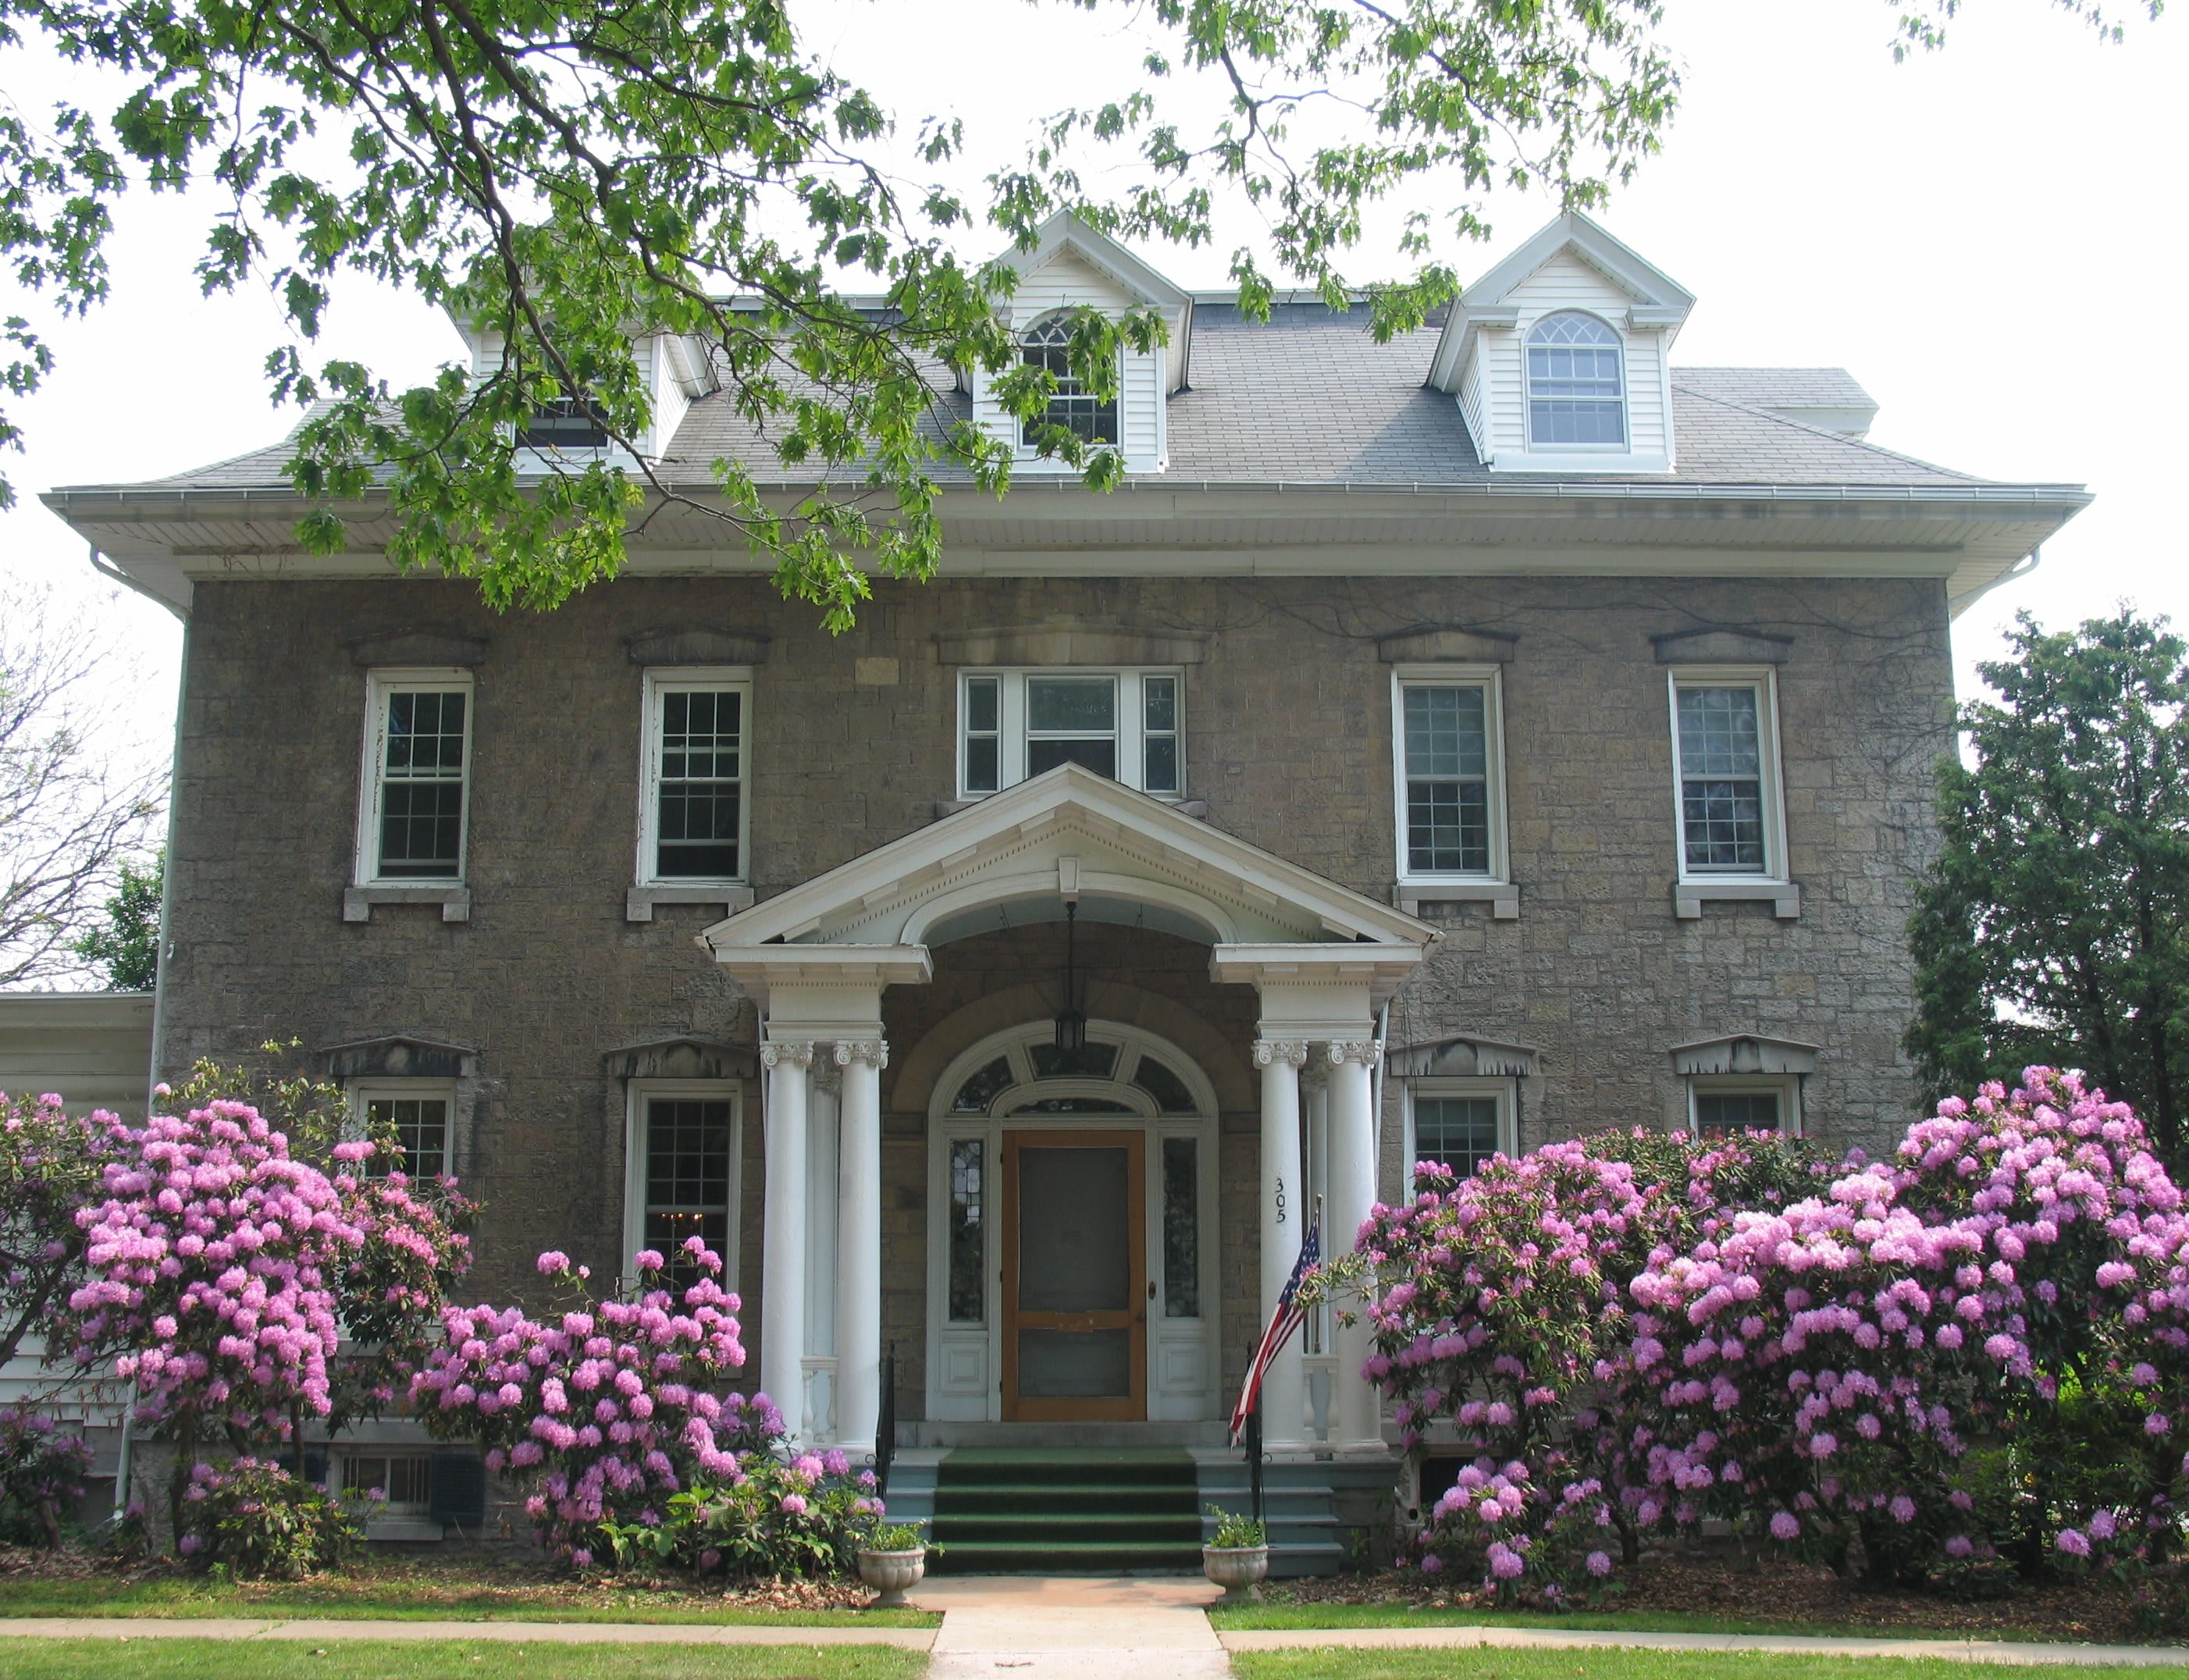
(1576, 383)
(1119, 1070)
(1072, 405)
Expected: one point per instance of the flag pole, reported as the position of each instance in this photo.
(1254, 1460)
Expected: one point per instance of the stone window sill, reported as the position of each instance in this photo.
(454, 897)
(1423, 898)
(640, 903)
(1688, 897)
(405, 1531)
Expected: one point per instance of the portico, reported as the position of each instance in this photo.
(1074, 1275)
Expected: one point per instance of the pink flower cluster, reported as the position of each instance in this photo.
(611, 1407)
(1808, 1361)
(211, 1260)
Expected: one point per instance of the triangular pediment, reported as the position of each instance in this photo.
(1069, 835)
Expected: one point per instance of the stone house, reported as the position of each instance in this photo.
(1433, 748)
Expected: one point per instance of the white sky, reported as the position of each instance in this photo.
(1987, 238)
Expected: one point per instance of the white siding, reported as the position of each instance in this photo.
(1065, 281)
(1139, 406)
(1474, 398)
(665, 390)
(1068, 281)
(1566, 282)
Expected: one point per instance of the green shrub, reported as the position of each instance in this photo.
(256, 1521)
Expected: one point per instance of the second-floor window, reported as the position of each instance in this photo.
(695, 822)
(1450, 802)
(1725, 749)
(1127, 725)
(1071, 404)
(418, 770)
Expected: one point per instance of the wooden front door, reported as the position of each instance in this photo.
(1075, 1276)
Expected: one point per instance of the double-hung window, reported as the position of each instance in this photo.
(413, 1118)
(694, 821)
(1725, 758)
(417, 772)
(1726, 1106)
(1450, 782)
(1459, 1123)
(1127, 725)
(682, 1171)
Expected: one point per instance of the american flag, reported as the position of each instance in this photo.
(1288, 1317)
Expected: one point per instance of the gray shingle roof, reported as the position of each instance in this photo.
(1309, 397)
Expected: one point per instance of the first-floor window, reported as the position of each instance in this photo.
(417, 765)
(1725, 743)
(1451, 799)
(1459, 1123)
(695, 822)
(684, 1172)
(411, 1127)
(403, 1479)
(967, 1235)
(1127, 725)
(1726, 1108)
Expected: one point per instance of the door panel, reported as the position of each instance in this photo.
(1075, 1276)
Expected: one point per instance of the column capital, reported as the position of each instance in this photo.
(788, 1052)
(1269, 1052)
(1366, 1051)
(872, 1052)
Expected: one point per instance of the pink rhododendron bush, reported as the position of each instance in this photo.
(1974, 1353)
(218, 1272)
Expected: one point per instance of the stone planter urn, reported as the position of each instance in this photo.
(891, 1573)
(1236, 1569)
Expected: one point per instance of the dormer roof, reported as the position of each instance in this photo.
(1064, 241)
(1656, 302)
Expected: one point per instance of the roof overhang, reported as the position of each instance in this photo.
(163, 542)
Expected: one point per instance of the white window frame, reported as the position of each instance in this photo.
(1505, 1091)
(1786, 1087)
(636, 1094)
(379, 686)
(662, 680)
(1764, 680)
(1132, 723)
(365, 1091)
(1528, 390)
(1490, 679)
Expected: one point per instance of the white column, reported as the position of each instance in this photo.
(783, 1239)
(859, 1245)
(1352, 1194)
(1315, 1125)
(1284, 1226)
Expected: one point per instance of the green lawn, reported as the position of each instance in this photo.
(449, 1598)
(1328, 1664)
(1293, 1617)
(399, 1659)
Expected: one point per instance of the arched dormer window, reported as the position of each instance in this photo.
(1072, 405)
(1576, 383)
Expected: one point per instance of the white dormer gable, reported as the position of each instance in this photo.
(677, 370)
(1072, 266)
(1559, 357)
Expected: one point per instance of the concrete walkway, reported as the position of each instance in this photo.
(1073, 1629)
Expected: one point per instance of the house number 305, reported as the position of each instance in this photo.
(1280, 1201)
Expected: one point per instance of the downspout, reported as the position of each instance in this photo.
(1383, 1037)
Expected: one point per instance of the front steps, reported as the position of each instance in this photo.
(1066, 1511)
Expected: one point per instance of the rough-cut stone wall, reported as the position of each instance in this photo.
(1288, 740)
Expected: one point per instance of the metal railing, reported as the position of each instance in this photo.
(885, 1429)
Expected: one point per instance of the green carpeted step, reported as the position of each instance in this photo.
(1092, 1511)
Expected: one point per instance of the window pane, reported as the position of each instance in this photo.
(1718, 1113)
(1181, 1192)
(1719, 733)
(1099, 756)
(687, 1178)
(981, 765)
(1168, 1091)
(982, 1088)
(422, 786)
(421, 1125)
(1447, 828)
(969, 1298)
(1446, 731)
(1089, 1061)
(699, 801)
(981, 706)
(1459, 1132)
(1160, 695)
(1070, 405)
(1720, 779)
(1071, 704)
(1160, 761)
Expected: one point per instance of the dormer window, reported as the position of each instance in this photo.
(1576, 384)
(1072, 405)
(564, 424)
